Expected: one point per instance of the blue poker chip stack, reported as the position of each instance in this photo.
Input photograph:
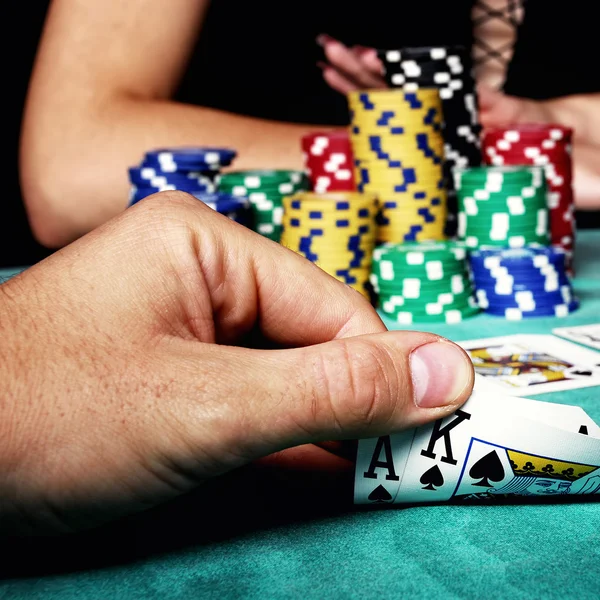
(523, 282)
(188, 169)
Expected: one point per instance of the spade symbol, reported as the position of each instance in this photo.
(432, 478)
(489, 468)
(380, 495)
(583, 430)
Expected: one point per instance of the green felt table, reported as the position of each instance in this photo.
(252, 534)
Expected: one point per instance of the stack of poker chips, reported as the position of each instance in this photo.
(502, 206)
(265, 189)
(336, 231)
(522, 283)
(450, 70)
(328, 160)
(186, 168)
(423, 282)
(548, 146)
(398, 153)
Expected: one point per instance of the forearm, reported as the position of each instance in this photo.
(586, 182)
(581, 112)
(15, 331)
(70, 192)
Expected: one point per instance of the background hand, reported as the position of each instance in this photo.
(496, 109)
(352, 68)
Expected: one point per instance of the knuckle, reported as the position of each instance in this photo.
(361, 385)
(166, 203)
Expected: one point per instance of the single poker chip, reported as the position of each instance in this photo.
(516, 314)
(258, 178)
(421, 285)
(193, 155)
(450, 316)
(182, 187)
(536, 256)
(141, 176)
(519, 175)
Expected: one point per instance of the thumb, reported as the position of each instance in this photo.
(356, 387)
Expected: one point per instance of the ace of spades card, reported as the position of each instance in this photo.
(525, 364)
(493, 446)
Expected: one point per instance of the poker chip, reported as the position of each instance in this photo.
(450, 70)
(521, 283)
(423, 282)
(398, 153)
(549, 147)
(187, 169)
(328, 161)
(335, 230)
(190, 158)
(502, 206)
(265, 190)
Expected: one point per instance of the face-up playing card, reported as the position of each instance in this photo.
(495, 445)
(533, 364)
(588, 335)
(379, 466)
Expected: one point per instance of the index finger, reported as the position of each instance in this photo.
(255, 282)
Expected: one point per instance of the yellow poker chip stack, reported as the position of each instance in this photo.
(398, 149)
(337, 231)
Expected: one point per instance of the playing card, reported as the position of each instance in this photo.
(589, 335)
(565, 416)
(380, 463)
(533, 364)
(495, 445)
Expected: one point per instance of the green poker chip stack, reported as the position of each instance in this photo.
(265, 189)
(423, 282)
(502, 206)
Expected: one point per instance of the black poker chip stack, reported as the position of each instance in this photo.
(450, 70)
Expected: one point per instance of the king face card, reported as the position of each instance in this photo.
(524, 365)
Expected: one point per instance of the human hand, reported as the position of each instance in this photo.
(171, 345)
(352, 68)
(497, 109)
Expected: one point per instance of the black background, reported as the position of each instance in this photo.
(17, 245)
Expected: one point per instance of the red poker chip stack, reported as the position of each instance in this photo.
(548, 146)
(328, 160)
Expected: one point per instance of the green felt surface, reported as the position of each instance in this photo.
(253, 535)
